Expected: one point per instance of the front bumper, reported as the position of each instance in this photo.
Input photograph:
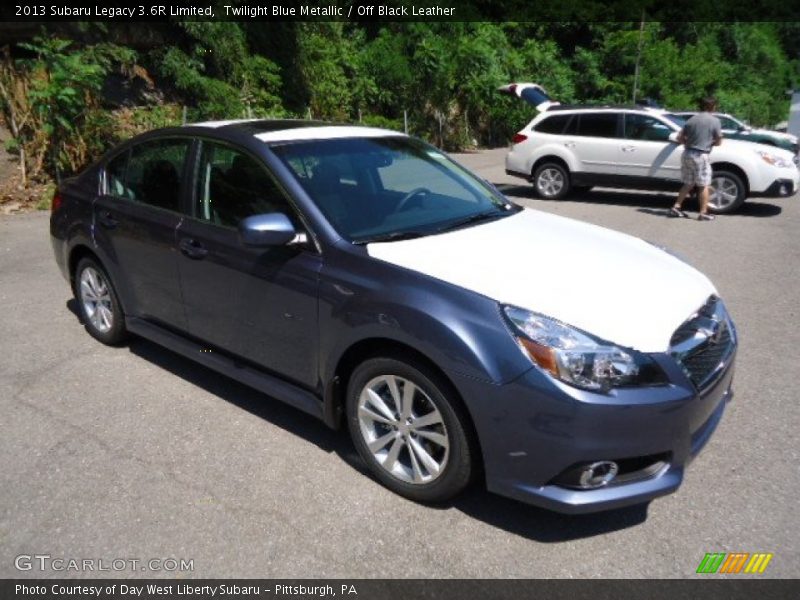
(781, 188)
(534, 429)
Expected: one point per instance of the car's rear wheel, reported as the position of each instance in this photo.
(551, 180)
(726, 193)
(98, 304)
(409, 429)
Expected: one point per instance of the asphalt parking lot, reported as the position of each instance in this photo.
(135, 452)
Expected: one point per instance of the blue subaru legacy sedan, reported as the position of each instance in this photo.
(363, 277)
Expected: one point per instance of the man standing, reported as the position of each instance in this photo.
(700, 133)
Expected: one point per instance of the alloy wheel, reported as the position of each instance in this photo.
(550, 182)
(403, 429)
(723, 193)
(96, 299)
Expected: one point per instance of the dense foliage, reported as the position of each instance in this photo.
(66, 95)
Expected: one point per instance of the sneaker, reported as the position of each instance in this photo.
(677, 212)
(705, 217)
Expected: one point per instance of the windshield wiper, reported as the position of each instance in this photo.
(394, 236)
(487, 215)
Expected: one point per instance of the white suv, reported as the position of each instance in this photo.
(576, 147)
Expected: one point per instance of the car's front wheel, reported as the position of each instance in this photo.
(551, 181)
(98, 304)
(409, 429)
(726, 193)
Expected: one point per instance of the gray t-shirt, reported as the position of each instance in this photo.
(701, 131)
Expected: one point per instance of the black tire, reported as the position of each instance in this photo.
(116, 332)
(551, 181)
(735, 192)
(460, 460)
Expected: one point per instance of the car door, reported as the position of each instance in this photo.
(259, 304)
(594, 138)
(135, 217)
(646, 152)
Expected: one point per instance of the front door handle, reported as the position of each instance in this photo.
(192, 248)
(628, 148)
(569, 144)
(107, 220)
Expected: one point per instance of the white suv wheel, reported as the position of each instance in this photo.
(551, 181)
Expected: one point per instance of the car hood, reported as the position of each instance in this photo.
(775, 134)
(615, 286)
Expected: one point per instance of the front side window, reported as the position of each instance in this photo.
(598, 125)
(642, 127)
(728, 123)
(149, 173)
(372, 189)
(232, 185)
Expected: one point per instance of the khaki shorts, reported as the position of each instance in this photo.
(695, 168)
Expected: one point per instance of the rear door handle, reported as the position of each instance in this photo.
(569, 144)
(107, 220)
(628, 148)
(192, 248)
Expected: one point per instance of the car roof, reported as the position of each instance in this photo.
(272, 130)
(604, 107)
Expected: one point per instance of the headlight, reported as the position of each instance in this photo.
(576, 357)
(775, 161)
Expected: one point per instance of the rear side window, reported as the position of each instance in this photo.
(602, 125)
(149, 173)
(555, 124)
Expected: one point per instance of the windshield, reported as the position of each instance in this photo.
(384, 188)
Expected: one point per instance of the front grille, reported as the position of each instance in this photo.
(703, 343)
(705, 361)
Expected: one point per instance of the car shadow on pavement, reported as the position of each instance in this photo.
(654, 203)
(543, 525)
(515, 517)
(240, 395)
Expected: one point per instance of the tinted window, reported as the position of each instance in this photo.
(370, 188)
(231, 185)
(149, 173)
(598, 125)
(642, 127)
(554, 124)
(115, 176)
(728, 123)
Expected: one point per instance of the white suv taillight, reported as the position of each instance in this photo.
(519, 138)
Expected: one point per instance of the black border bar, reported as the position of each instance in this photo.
(728, 588)
(44, 11)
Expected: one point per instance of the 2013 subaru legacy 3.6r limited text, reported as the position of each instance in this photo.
(364, 277)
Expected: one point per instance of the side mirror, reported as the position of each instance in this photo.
(673, 137)
(270, 229)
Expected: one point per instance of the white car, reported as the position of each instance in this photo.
(576, 147)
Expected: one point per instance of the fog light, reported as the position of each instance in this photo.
(588, 476)
(598, 474)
